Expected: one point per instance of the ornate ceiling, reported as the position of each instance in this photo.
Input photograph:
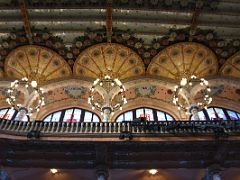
(112, 59)
(155, 43)
(35, 62)
(173, 62)
(183, 60)
(231, 67)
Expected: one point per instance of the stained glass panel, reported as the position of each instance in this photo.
(88, 117)
(232, 115)
(56, 116)
(161, 116)
(220, 114)
(128, 116)
(3, 114)
(149, 114)
(139, 113)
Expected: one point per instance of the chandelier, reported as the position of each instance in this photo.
(183, 99)
(108, 88)
(32, 89)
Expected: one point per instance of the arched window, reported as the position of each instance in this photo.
(72, 115)
(149, 113)
(11, 114)
(218, 113)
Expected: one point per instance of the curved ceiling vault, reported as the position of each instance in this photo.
(36, 62)
(232, 66)
(182, 60)
(105, 58)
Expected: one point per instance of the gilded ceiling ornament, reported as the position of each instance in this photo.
(183, 60)
(112, 59)
(36, 63)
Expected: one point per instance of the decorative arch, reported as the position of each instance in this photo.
(73, 114)
(231, 67)
(108, 58)
(183, 60)
(36, 62)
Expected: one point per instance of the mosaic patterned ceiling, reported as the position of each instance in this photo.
(232, 66)
(183, 60)
(112, 59)
(36, 62)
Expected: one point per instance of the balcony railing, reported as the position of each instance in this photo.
(122, 129)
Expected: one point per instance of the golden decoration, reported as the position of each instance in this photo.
(183, 60)
(232, 66)
(36, 63)
(111, 59)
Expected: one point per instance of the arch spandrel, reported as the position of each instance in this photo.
(36, 62)
(113, 59)
(182, 60)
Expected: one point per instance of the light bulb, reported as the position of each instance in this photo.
(183, 82)
(174, 101)
(95, 82)
(153, 171)
(89, 100)
(34, 84)
(53, 171)
(210, 100)
(8, 100)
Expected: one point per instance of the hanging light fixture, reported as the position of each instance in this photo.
(184, 89)
(152, 171)
(31, 87)
(108, 106)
